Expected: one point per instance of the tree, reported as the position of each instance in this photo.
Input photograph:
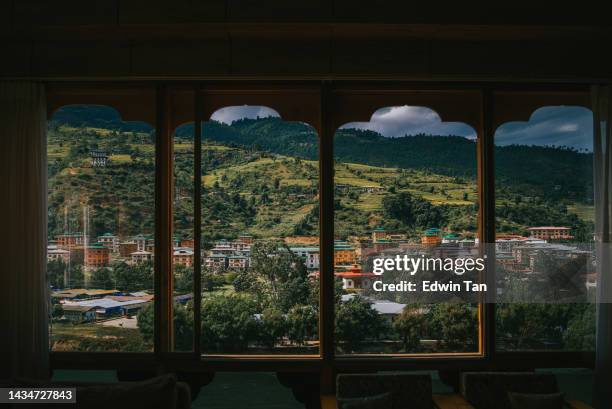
(183, 325)
(133, 278)
(456, 325)
(581, 329)
(410, 325)
(272, 327)
(55, 272)
(77, 276)
(277, 277)
(101, 278)
(211, 280)
(146, 322)
(228, 322)
(302, 323)
(183, 278)
(357, 321)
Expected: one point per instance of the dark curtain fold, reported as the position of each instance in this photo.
(24, 342)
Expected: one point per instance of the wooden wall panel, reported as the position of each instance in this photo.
(257, 56)
(6, 15)
(65, 12)
(280, 10)
(167, 12)
(81, 59)
(380, 57)
(181, 58)
(16, 59)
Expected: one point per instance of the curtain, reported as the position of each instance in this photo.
(602, 115)
(24, 342)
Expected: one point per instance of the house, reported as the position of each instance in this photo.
(238, 262)
(344, 253)
(79, 313)
(216, 261)
(99, 158)
(97, 256)
(109, 240)
(55, 253)
(431, 237)
(182, 255)
(551, 233)
(127, 248)
(69, 240)
(138, 257)
(310, 255)
(379, 233)
(355, 279)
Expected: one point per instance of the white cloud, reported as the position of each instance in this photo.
(399, 121)
(552, 125)
(230, 114)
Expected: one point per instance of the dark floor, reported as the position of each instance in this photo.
(254, 390)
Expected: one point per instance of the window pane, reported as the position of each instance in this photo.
(260, 235)
(183, 243)
(544, 247)
(101, 224)
(405, 189)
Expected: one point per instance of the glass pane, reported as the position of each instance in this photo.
(183, 243)
(260, 235)
(405, 191)
(545, 261)
(101, 224)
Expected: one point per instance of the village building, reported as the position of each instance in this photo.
(97, 256)
(69, 240)
(99, 158)
(238, 262)
(109, 240)
(551, 233)
(56, 253)
(310, 255)
(127, 248)
(183, 256)
(344, 253)
(216, 262)
(138, 257)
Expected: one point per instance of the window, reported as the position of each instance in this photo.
(101, 226)
(405, 187)
(260, 241)
(244, 237)
(544, 222)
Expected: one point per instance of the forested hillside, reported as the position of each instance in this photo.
(260, 176)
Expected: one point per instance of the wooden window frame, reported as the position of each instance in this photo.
(169, 104)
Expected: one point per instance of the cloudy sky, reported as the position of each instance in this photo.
(228, 115)
(395, 122)
(561, 126)
(571, 126)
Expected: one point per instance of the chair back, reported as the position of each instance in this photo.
(408, 390)
(489, 390)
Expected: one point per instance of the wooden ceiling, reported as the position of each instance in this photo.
(316, 39)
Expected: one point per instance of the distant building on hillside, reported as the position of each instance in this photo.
(183, 256)
(109, 240)
(551, 233)
(99, 158)
(69, 240)
(138, 257)
(431, 237)
(55, 253)
(97, 256)
(379, 233)
(216, 262)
